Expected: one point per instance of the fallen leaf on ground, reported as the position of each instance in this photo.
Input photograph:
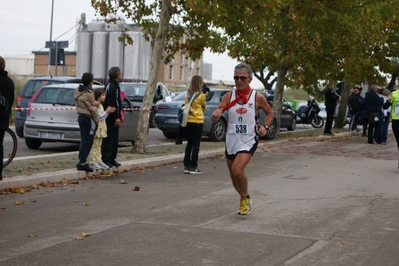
(136, 188)
(79, 238)
(86, 204)
(32, 235)
(33, 200)
(18, 202)
(122, 181)
(85, 234)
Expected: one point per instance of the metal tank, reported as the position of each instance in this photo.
(132, 57)
(96, 26)
(115, 51)
(83, 53)
(137, 57)
(99, 55)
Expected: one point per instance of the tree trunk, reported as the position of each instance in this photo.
(278, 93)
(392, 82)
(343, 104)
(141, 135)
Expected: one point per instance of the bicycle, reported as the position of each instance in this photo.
(10, 145)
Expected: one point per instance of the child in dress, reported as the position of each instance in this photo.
(95, 152)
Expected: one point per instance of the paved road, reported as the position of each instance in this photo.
(316, 202)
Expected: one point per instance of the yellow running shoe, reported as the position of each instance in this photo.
(245, 206)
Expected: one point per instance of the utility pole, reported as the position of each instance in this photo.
(51, 37)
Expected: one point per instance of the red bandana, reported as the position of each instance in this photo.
(239, 95)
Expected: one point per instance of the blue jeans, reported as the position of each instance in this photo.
(193, 135)
(86, 136)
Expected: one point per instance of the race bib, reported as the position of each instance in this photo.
(241, 129)
(397, 109)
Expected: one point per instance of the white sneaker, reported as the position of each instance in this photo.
(95, 166)
(103, 165)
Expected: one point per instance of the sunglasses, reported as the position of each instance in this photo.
(242, 78)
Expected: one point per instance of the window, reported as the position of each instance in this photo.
(181, 73)
(171, 72)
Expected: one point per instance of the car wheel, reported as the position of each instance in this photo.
(218, 131)
(272, 132)
(33, 143)
(169, 135)
(19, 131)
(152, 124)
(293, 125)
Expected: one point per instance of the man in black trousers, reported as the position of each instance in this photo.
(7, 91)
(330, 103)
(109, 147)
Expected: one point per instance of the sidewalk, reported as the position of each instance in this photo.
(343, 144)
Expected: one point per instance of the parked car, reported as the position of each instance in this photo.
(29, 89)
(52, 117)
(287, 118)
(166, 117)
(135, 93)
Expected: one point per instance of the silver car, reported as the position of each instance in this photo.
(52, 117)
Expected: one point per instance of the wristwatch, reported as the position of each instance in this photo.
(266, 127)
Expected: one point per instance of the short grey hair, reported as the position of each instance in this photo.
(244, 67)
(114, 72)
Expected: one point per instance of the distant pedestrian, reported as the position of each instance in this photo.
(386, 113)
(331, 99)
(95, 158)
(354, 109)
(195, 124)
(87, 119)
(7, 91)
(374, 104)
(364, 115)
(109, 147)
(242, 106)
(393, 101)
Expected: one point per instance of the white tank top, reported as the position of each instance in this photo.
(241, 134)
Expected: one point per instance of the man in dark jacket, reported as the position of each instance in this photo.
(374, 103)
(7, 91)
(109, 147)
(354, 109)
(330, 103)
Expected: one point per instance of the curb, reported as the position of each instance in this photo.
(70, 174)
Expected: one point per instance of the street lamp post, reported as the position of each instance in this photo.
(51, 37)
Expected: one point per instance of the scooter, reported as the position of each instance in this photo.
(308, 114)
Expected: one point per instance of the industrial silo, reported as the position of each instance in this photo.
(132, 57)
(115, 51)
(99, 55)
(96, 26)
(145, 60)
(83, 53)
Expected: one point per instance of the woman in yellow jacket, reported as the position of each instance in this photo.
(194, 126)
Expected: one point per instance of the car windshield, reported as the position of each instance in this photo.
(133, 89)
(33, 85)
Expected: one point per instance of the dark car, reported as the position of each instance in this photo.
(29, 89)
(135, 93)
(287, 119)
(166, 117)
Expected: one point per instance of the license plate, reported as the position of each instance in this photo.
(172, 121)
(51, 135)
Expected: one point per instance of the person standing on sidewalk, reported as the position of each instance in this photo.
(374, 103)
(354, 109)
(87, 119)
(244, 129)
(95, 159)
(109, 148)
(386, 113)
(7, 91)
(195, 124)
(393, 102)
(330, 103)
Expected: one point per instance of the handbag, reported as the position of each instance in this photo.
(183, 112)
(375, 118)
